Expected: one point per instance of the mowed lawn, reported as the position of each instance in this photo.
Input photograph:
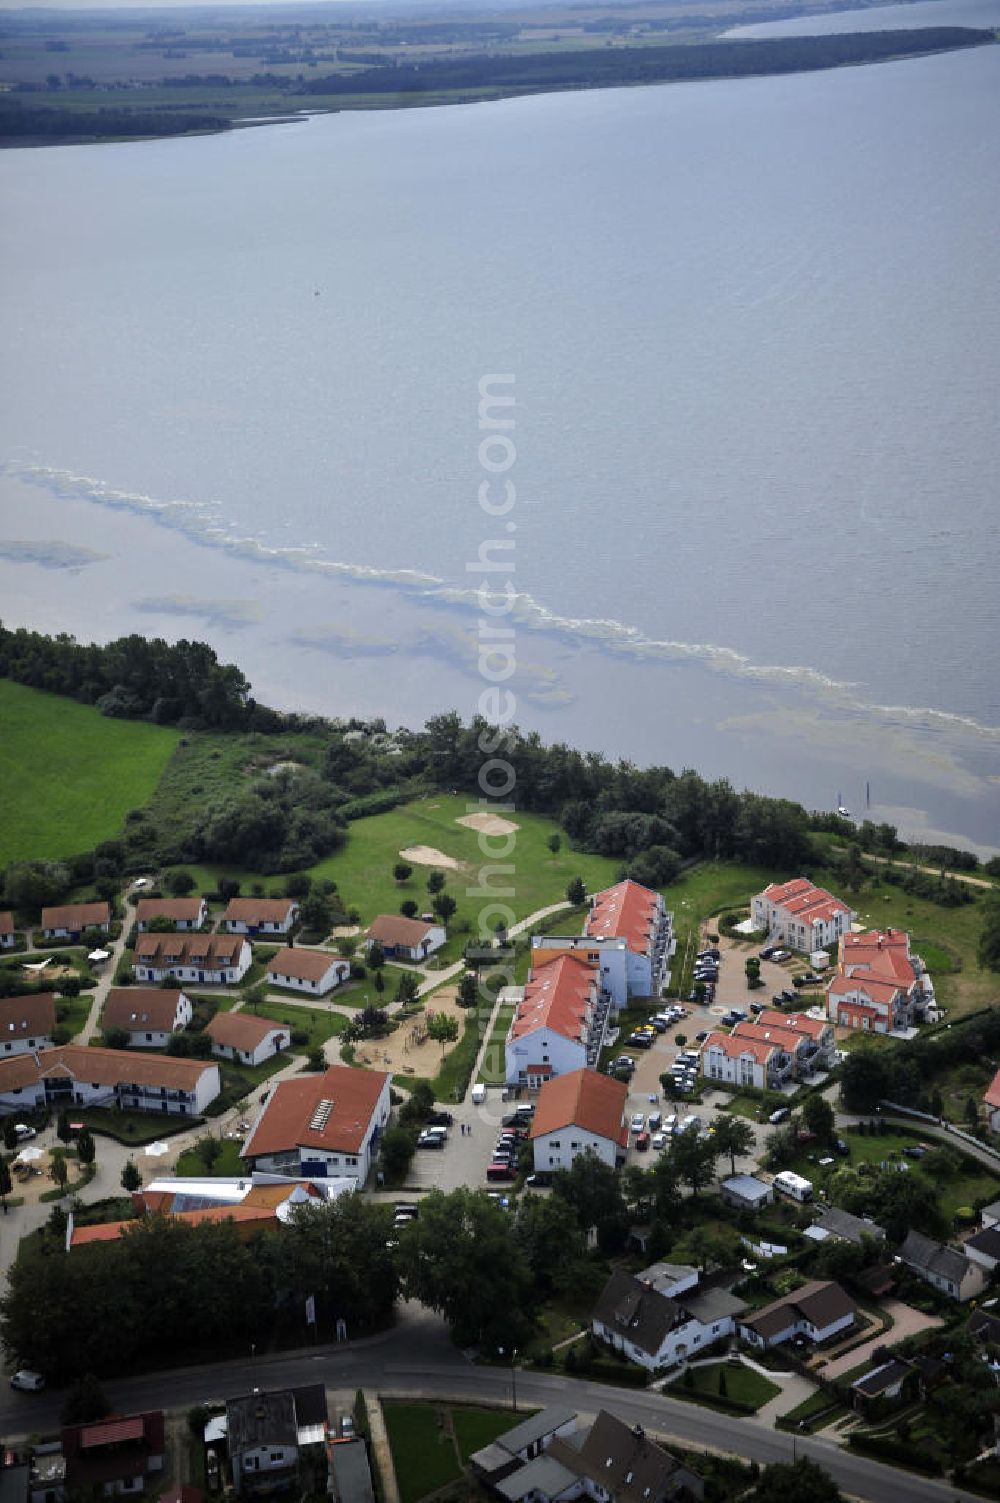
(363, 869)
(69, 775)
(423, 1452)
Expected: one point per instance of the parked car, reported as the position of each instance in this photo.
(767, 953)
(23, 1132)
(539, 1180)
(430, 1140)
(500, 1169)
(659, 1024)
(405, 1210)
(641, 1040)
(781, 1115)
(789, 995)
(655, 1119)
(842, 1148)
(642, 1142)
(638, 1123)
(658, 1141)
(347, 1426)
(702, 1036)
(780, 955)
(27, 1381)
(439, 1119)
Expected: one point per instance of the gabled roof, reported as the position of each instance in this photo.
(793, 1022)
(992, 1099)
(789, 1039)
(179, 910)
(30, 1016)
(536, 1427)
(928, 1256)
(882, 954)
(880, 1379)
(987, 1242)
(189, 949)
(581, 1098)
(141, 1008)
(626, 1462)
(76, 916)
(261, 1419)
(864, 986)
(393, 930)
(626, 911)
(304, 965)
(557, 997)
(819, 1303)
(258, 910)
(804, 901)
(733, 1047)
(847, 1227)
(637, 1310)
(114, 1067)
(332, 1111)
(242, 1030)
(6, 922)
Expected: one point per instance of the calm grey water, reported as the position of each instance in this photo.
(755, 330)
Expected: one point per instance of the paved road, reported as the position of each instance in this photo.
(416, 1360)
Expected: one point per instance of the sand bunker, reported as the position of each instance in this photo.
(488, 824)
(426, 855)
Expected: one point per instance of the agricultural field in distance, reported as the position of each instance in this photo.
(69, 775)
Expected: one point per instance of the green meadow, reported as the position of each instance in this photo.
(69, 775)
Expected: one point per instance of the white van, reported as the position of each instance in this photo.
(478, 1093)
(793, 1185)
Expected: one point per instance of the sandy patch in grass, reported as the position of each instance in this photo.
(345, 931)
(426, 855)
(408, 1051)
(488, 824)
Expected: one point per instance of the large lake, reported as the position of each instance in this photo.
(755, 331)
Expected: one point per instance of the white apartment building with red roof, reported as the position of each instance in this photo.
(558, 1025)
(582, 1112)
(636, 914)
(879, 986)
(743, 1061)
(801, 915)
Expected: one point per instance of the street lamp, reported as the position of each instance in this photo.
(513, 1376)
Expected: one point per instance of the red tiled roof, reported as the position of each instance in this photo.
(242, 1030)
(867, 986)
(795, 1022)
(111, 1432)
(733, 1047)
(303, 965)
(258, 910)
(19, 1071)
(785, 1038)
(557, 998)
(804, 901)
(76, 916)
(105, 1231)
(119, 1066)
(27, 1017)
(138, 1008)
(180, 910)
(882, 956)
(6, 923)
(582, 1098)
(285, 1121)
(992, 1097)
(394, 930)
(189, 949)
(626, 911)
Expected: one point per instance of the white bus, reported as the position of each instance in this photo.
(793, 1185)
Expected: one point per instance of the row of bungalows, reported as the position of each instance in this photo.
(150, 1016)
(27, 1023)
(79, 1075)
(801, 915)
(222, 959)
(578, 982)
(879, 986)
(183, 913)
(401, 938)
(71, 920)
(776, 1048)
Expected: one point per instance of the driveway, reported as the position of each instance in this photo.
(905, 1322)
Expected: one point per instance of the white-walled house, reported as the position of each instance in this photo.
(263, 1440)
(244, 1037)
(321, 1126)
(944, 1268)
(8, 936)
(78, 1075)
(656, 1329)
(27, 1023)
(819, 1311)
(878, 986)
(314, 972)
(741, 1061)
(609, 958)
(639, 916)
(260, 915)
(558, 1025)
(183, 913)
(149, 1015)
(405, 938)
(582, 1112)
(221, 959)
(801, 915)
(821, 1041)
(70, 920)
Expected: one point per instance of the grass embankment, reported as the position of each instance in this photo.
(68, 774)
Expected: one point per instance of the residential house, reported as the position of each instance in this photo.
(260, 915)
(608, 1461)
(743, 1061)
(821, 1041)
(183, 913)
(149, 1015)
(843, 1227)
(984, 1249)
(636, 914)
(944, 1268)
(314, 972)
(221, 959)
(745, 1192)
(405, 938)
(263, 1443)
(244, 1037)
(114, 1455)
(800, 915)
(8, 936)
(70, 920)
(818, 1311)
(660, 1327)
(990, 1215)
(581, 1112)
(558, 1025)
(321, 1126)
(76, 1075)
(878, 986)
(894, 1379)
(609, 958)
(985, 1327)
(796, 1056)
(992, 1103)
(27, 1023)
